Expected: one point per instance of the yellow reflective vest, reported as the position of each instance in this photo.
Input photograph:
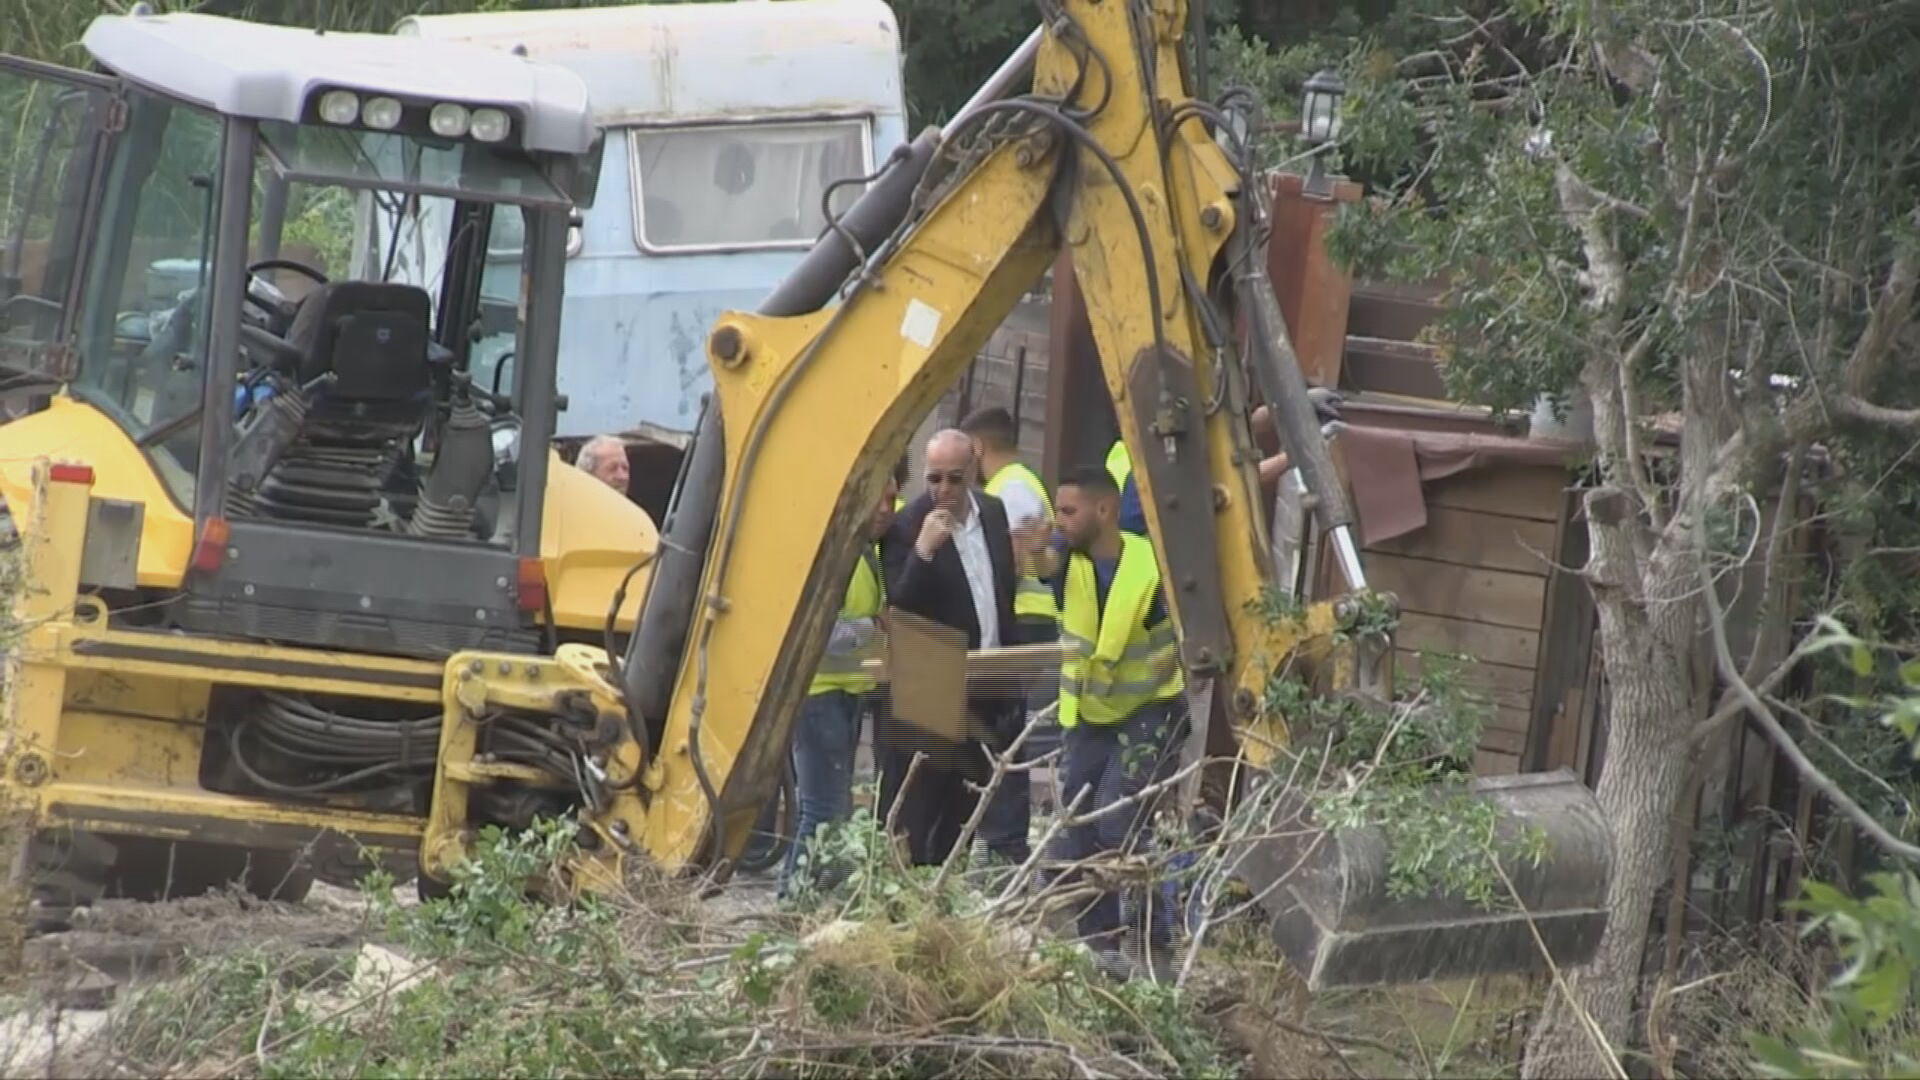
(1030, 595)
(866, 594)
(1115, 665)
(1119, 463)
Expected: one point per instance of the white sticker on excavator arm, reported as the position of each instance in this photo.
(920, 324)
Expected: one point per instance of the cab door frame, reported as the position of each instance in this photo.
(75, 214)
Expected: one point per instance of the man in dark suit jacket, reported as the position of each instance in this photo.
(949, 560)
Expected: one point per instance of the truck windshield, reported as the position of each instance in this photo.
(405, 163)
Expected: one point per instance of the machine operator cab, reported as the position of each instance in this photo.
(200, 281)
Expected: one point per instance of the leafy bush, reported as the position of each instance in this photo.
(656, 981)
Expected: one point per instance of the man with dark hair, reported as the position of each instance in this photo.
(996, 445)
(1121, 699)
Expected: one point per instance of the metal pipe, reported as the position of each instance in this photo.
(1019, 388)
(1015, 71)
(1276, 368)
(667, 608)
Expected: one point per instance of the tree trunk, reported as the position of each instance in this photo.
(1645, 643)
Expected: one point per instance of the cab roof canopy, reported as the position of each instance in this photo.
(270, 72)
(680, 63)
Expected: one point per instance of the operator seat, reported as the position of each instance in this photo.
(373, 338)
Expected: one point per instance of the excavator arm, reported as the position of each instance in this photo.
(1102, 151)
(1109, 156)
(818, 391)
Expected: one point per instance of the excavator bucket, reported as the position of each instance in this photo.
(1336, 922)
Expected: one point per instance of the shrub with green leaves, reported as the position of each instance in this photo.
(1866, 1022)
(882, 977)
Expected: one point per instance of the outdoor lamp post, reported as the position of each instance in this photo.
(1320, 125)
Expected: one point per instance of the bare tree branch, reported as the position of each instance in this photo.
(1811, 773)
(1861, 409)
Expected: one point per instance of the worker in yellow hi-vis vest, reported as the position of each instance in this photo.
(1120, 467)
(1122, 702)
(827, 733)
(996, 445)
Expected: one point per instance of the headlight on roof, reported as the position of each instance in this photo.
(381, 113)
(339, 107)
(491, 125)
(447, 120)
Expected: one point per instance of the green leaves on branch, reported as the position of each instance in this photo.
(1868, 1022)
(1403, 769)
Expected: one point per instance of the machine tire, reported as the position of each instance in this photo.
(429, 888)
(151, 869)
(773, 832)
(69, 870)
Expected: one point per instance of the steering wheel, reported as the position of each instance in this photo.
(274, 318)
(295, 265)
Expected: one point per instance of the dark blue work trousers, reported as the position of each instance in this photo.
(1009, 816)
(824, 741)
(1111, 763)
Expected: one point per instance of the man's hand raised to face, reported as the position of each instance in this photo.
(935, 530)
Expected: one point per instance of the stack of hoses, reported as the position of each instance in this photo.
(399, 750)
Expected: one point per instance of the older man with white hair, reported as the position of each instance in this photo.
(605, 458)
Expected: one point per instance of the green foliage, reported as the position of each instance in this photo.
(654, 982)
(1865, 1025)
(1403, 769)
(1866, 1020)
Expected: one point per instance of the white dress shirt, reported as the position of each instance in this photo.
(970, 540)
(1023, 504)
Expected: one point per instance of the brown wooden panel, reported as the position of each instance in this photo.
(1528, 491)
(1511, 719)
(1507, 645)
(1492, 541)
(1389, 312)
(1566, 640)
(1312, 289)
(1393, 367)
(1503, 741)
(1507, 687)
(1493, 763)
(1428, 587)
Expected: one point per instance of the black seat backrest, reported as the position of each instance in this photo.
(372, 335)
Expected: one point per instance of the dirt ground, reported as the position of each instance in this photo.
(73, 979)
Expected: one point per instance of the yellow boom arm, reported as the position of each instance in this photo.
(1148, 204)
(1107, 156)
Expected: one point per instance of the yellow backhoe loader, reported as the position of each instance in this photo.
(295, 588)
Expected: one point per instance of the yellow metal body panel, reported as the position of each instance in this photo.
(103, 728)
(72, 430)
(1185, 196)
(590, 536)
(478, 684)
